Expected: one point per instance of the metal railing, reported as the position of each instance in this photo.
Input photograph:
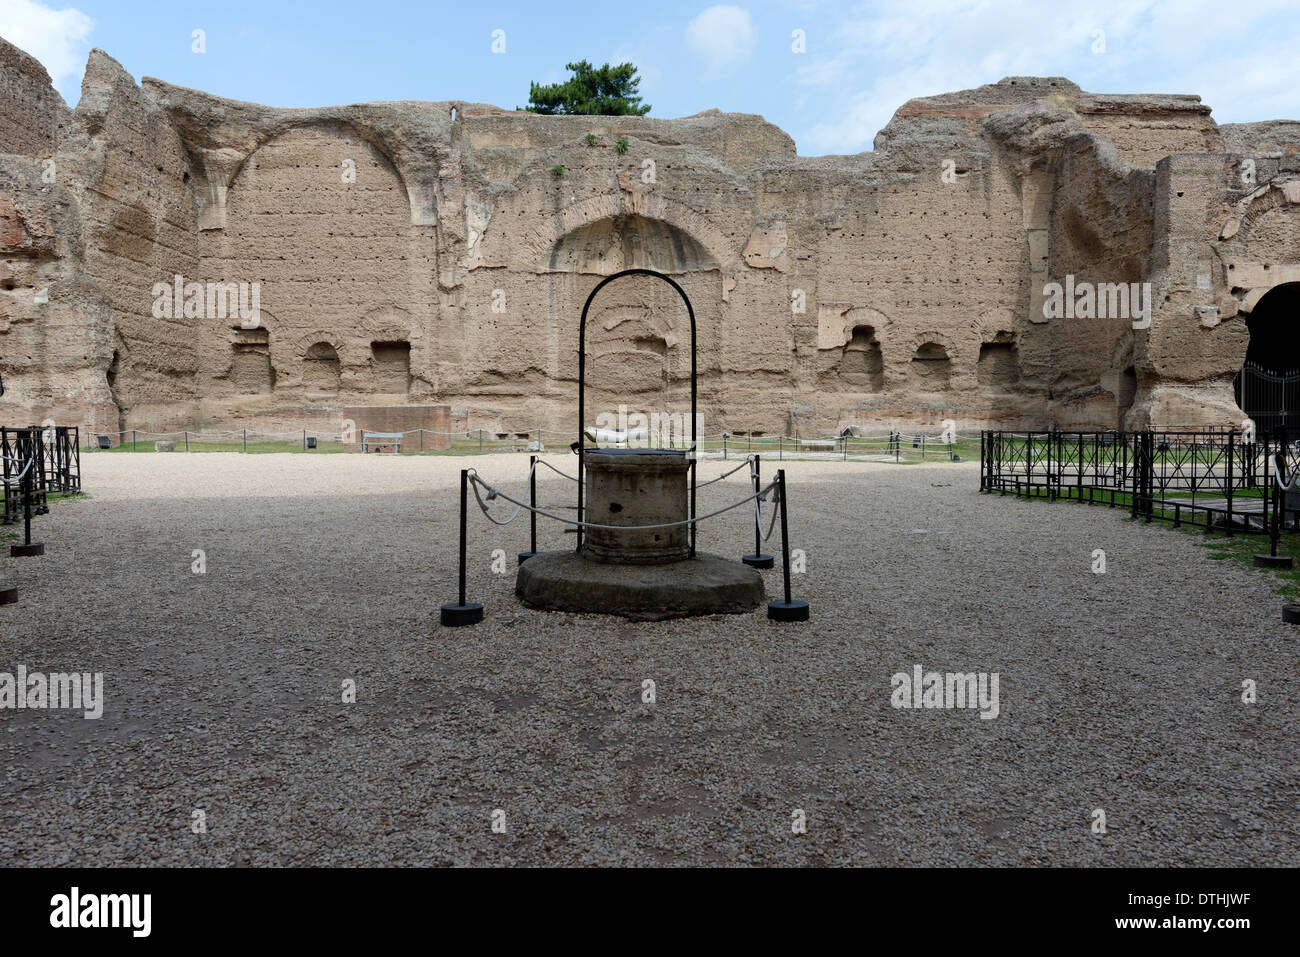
(1218, 479)
(55, 454)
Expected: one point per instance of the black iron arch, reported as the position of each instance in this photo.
(582, 387)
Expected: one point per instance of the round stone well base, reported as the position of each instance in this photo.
(703, 585)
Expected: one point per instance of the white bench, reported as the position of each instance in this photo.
(381, 438)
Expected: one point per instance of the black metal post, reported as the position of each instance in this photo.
(1080, 477)
(1232, 443)
(1279, 502)
(532, 515)
(1149, 468)
(1051, 440)
(1133, 505)
(1277, 494)
(786, 610)
(462, 613)
(758, 559)
(1267, 497)
(27, 507)
(28, 549)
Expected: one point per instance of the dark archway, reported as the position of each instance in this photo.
(1268, 386)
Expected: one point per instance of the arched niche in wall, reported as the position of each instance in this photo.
(321, 244)
(321, 370)
(930, 368)
(629, 241)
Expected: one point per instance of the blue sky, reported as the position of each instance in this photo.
(861, 61)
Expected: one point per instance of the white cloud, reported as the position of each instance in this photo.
(722, 35)
(60, 39)
(872, 61)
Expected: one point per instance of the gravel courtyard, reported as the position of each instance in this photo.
(1118, 691)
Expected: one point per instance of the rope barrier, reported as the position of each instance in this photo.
(19, 477)
(494, 492)
(749, 460)
(758, 516)
(571, 478)
(1286, 484)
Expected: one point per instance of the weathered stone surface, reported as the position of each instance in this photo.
(703, 585)
(426, 253)
(164, 445)
(425, 428)
(32, 114)
(635, 487)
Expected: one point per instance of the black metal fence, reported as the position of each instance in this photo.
(56, 466)
(1217, 479)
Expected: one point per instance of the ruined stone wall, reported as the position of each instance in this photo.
(319, 219)
(33, 117)
(1146, 129)
(907, 288)
(1099, 241)
(54, 327)
(1227, 232)
(133, 180)
(416, 253)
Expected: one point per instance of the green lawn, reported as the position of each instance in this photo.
(734, 446)
(254, 445)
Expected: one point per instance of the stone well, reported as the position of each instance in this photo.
(637, 573)
(637, 487)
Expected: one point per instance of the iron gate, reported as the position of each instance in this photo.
(1269, 398)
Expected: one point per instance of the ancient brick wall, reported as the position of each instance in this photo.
(54, 327)
(33, 117)
(435, 420)
(133, 179)
(319, 219)
(407, 253)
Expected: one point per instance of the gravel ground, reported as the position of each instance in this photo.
(1119, 691)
